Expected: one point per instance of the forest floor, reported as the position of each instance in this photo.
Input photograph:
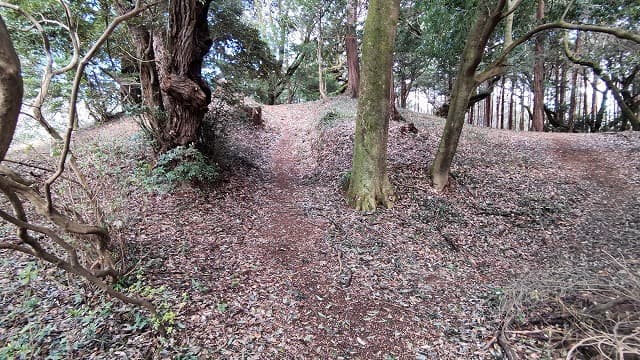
(270, 262)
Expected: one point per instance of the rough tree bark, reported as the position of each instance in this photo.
(351, 43)
(538, 75)
(10, 90)
(369, 184)
(170, 71)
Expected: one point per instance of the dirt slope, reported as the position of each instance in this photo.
(271, 263)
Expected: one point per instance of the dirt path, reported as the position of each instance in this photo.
(271, 264)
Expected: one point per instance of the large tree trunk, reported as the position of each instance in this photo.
(464, 85)
(10, 90)
(170, 72)
(538, 75)
(186, 94)
(369, 184)
(351, 43)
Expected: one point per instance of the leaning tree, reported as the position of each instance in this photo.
(490, 13)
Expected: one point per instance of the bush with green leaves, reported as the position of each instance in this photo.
(179, 165)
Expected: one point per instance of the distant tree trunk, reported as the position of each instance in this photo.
(351, 43)
(538, 75)
(511, 106)
(170, 72)
(600, 114)
(487, 111)
(585, 97)
(404, 93)
(594, 98)
(369, 183)
(322, 87)
(573, 100)
(502, 89)
(562, 97)
(465, 84)
(10, 89)
(394, 115)
(622, 97)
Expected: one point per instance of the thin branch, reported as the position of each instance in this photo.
(75, 90)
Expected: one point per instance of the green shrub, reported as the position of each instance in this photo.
(179, 165)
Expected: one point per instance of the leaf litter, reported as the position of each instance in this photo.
(271, 263)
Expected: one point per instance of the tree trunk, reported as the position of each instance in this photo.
(322, 87)
(538, 75)
(170, 72)
(464, 85)
(351, 43)
(502, 90)
(187, 94)
(404, 93)
(369, 184)
(573, 100)
(10, 89)
(487, 111)
(562, 94)
(511, 106)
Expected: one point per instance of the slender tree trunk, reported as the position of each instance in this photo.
(594, 100)
(321, 83)
(562, 95)
(502, 89)
(511, 106)
(573, 100)
(585, 97)
(538, 75)
(404, 93)
(487, 110)
(465, 83)
(11, 89)
(351, 44)
(369, 183)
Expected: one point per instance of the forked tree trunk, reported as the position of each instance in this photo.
(10, 90)
(351, 43)
(538, 75)
(369, 184)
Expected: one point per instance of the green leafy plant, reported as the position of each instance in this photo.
(179, 165)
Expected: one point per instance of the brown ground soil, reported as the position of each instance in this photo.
(271, 263)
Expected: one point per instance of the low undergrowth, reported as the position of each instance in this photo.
(577, 313)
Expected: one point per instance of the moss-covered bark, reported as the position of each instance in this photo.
(369, 184)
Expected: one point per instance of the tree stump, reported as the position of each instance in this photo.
(254, 114)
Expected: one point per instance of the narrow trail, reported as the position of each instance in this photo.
(293, 236)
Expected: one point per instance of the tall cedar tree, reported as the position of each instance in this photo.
(369, 184)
